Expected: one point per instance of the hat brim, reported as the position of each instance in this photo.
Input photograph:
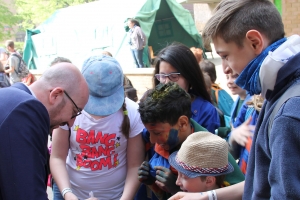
(191, 174)
(103, 106)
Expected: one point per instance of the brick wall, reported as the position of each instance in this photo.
(291, 16)
(202, 14)
(141, 79)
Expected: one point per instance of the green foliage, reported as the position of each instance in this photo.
(19, 46)
(34, 12)
(7, 21)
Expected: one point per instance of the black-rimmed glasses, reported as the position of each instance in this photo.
(174, 76)
(78, 109)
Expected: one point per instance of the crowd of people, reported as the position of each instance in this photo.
(184, 139)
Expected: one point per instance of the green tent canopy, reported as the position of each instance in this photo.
(78, 32)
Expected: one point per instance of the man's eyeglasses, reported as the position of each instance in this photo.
(174, 76)
(78, 109)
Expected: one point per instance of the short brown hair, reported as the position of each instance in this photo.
(59, 60)
(10, 43)
(232, 19)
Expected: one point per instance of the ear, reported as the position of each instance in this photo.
(210, 181)
(256, 41)
(55, 95)
(183, 123)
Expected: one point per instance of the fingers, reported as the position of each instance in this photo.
(143, 171)
(247, 122)
(145, 166)
(243, 141)
(162, 173)
(251, 128)
(160, 168)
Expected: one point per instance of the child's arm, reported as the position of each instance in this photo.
(234, 192)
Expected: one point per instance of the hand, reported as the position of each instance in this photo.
(70, 196)
(166, 180)
(144, 174)
(92, 198)
(189, 196)
(240, 134)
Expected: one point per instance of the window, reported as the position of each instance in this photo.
(164, 29)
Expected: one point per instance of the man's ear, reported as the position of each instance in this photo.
(55, 94)
(256, 40)
(183, 122)
(210, 181)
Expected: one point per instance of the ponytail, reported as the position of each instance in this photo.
(126, 122)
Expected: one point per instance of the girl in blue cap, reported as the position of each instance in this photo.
(102, 151)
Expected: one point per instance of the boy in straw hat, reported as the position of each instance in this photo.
(166, 114)
(201, 162)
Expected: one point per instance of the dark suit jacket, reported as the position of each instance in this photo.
(24, 128)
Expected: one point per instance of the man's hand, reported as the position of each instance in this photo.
(144, 174)
(166, 180)
(240, 134)
(189, 196)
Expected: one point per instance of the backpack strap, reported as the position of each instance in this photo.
(293, 91)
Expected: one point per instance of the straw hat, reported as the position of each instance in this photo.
(202, 154)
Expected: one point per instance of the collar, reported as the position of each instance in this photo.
(274, 61)
(30, 90)
(249, 77)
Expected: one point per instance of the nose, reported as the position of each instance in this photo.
(178, 181)
(226, 68)
(153, 139)
(167, 80)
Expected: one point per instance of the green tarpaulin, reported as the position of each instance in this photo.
(80, 31)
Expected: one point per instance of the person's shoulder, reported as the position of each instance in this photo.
(291, 108)
(14, 93)
(199, 102)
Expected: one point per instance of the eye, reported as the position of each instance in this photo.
(224, 57)
(156, 133)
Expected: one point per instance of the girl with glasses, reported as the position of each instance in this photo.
(177, 63)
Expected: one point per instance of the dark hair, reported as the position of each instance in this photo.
(184, 61)
(166, 103)
(210, 69)
(125, 128)
(59, 60)
(127, 81)
(145, 95)
(130, 92)
(134, 21)
(232, 19)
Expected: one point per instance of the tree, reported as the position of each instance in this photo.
(7, 21)
(34, 12)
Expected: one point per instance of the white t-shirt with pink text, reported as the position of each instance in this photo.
(97, 157)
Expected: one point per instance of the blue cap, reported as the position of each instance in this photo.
(104, 77)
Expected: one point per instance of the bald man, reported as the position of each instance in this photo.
(27, 115)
